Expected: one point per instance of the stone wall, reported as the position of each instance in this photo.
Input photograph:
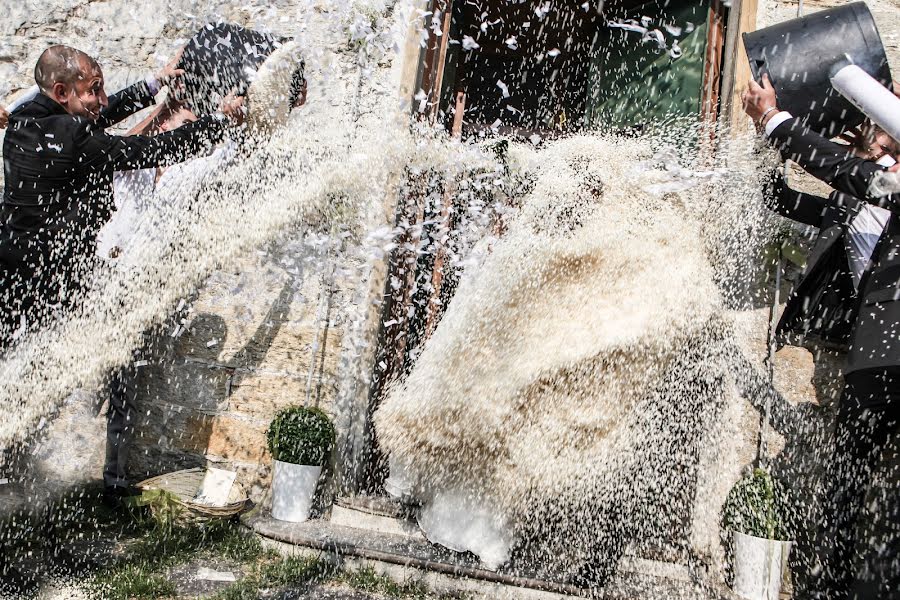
(130, 39)
(254, 341)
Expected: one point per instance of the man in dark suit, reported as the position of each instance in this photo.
(59, 164)
(868, 316)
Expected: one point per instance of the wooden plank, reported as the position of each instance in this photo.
(746, 23)
(712, 64)
(458, 114)
(446, 8)
(435, 57)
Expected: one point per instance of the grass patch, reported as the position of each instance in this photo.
(139, 550)
(368, 580)
(138, 573)
(132, 581)
(294, 571)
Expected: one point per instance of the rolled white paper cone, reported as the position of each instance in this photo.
(876, 101)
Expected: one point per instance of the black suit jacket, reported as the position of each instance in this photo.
(874, 340)
(822, 306)
(58, 192)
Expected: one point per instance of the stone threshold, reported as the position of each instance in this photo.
(403, 558)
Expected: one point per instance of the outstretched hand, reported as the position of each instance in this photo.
(759, 100)
(233, 107)
(170, 73)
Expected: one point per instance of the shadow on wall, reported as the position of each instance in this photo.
(184, 397)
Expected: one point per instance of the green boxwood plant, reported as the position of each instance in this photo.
(300, 436)
(757, 506)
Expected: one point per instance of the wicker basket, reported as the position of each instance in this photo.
(180, 488)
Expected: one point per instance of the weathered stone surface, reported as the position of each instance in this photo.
(195, 385)
(226, 436)
(264, 394)
(245, 352)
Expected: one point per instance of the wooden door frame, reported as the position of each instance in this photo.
(736, 70)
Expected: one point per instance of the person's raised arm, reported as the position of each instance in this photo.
(797, 206)
(124, 153)
(830, 162)
(140, 95)
(151, 125)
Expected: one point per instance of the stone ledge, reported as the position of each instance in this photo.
(404, 558)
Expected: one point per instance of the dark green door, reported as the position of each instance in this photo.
(648, 64)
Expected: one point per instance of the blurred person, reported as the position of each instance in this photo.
(58, 188)
(135, 194)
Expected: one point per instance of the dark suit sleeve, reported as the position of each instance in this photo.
(808, 208)
(97, 149)
(125, 103)
(825, 160)
(797, 206)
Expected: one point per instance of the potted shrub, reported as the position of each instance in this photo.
(299, 440)
(755, 513)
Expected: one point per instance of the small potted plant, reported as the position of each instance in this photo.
(755, 514)
(299, 440)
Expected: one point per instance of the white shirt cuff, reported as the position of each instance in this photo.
(152, 85)
(777, 120)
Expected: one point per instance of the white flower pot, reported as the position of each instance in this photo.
(293, 487)
(759, 566)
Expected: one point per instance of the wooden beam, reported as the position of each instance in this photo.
(743, 20)
(435, 95)
(458, 114)
(712, 64)
(435, 57)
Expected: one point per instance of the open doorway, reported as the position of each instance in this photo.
(533, 70)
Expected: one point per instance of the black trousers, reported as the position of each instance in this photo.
(119, 425)
(858, 543)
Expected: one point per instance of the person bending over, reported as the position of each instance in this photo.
(859, 244)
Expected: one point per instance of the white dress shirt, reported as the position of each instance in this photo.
(866, 227)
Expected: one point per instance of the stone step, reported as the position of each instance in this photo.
(384, 506)
(404, 558)
(376, 514)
